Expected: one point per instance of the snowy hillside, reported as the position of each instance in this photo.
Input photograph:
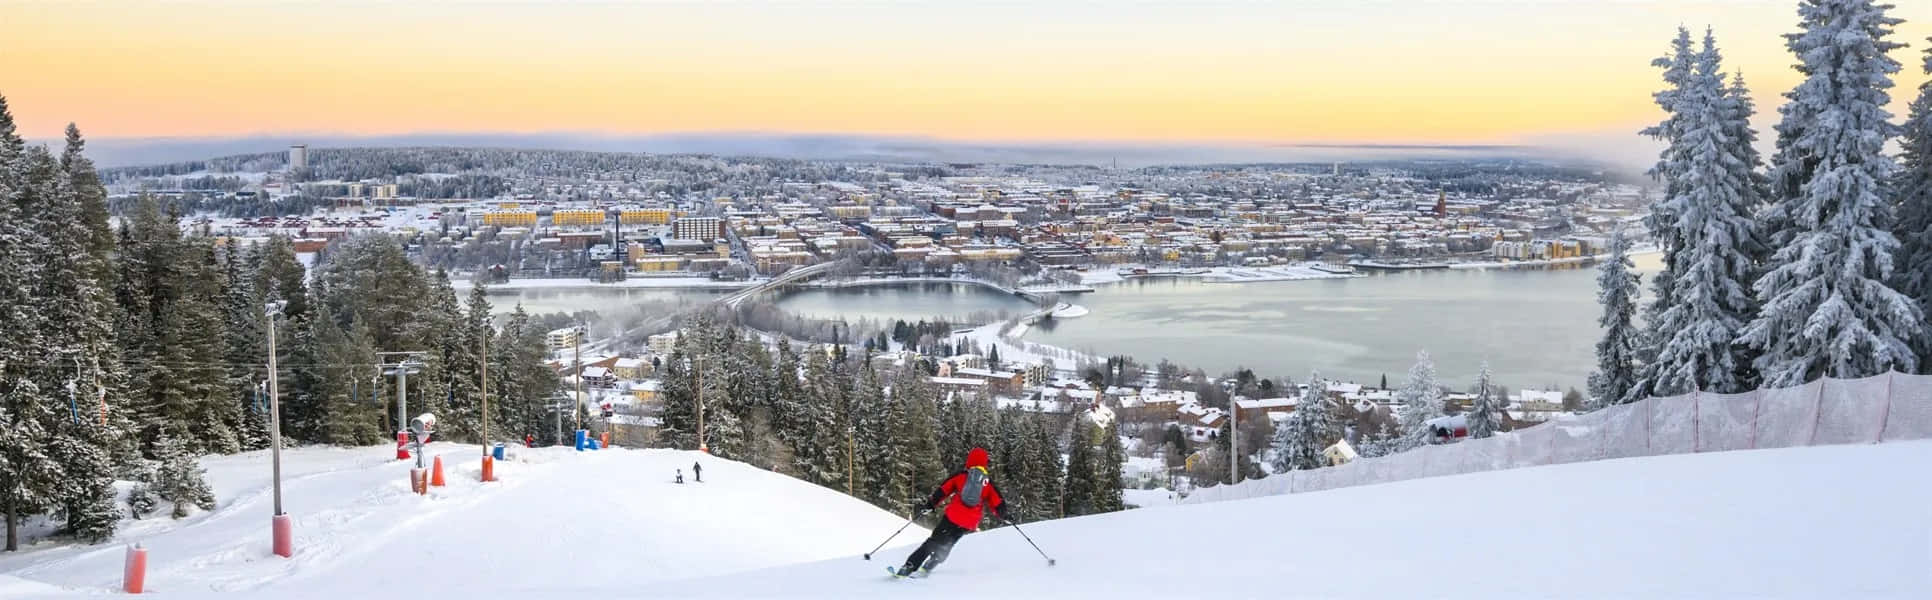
(1822, 522)
(607, 520)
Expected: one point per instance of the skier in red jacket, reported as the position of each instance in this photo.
(966, 495)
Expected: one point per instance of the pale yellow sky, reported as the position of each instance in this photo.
(1394, 71)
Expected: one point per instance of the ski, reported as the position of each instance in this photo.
(919, 574)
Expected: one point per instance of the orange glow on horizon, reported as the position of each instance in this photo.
(1377, 72)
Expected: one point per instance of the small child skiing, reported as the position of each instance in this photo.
(680, 478)
(966, 495)
(697, 472)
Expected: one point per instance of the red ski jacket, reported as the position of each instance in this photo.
(967, 517)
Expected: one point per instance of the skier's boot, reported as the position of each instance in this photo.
(903, 572)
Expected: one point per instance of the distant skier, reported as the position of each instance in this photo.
(697, 472)
(966, 495)
(529, 441)
(680, 478)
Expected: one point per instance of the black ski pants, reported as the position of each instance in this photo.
(937, 546)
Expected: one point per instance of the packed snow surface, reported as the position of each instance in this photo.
(605, 520)
(1819, 522)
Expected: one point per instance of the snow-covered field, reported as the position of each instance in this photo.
(604, 520)
(1850, 521)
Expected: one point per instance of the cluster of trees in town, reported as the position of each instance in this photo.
(246, 204)
(872, 428)
(125, 354)
(1817, 263)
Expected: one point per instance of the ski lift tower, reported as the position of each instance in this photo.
(401, 365)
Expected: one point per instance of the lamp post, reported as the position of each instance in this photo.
(284, 530)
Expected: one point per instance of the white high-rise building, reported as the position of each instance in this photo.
(298, 157)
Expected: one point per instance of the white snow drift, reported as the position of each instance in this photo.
(1849, 521)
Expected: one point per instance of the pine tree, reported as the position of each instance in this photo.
(678, 421)
(1485, 416)
(1081, 496)
(1715, 198)
(1045, 475)
(1914, 228)
(1109, 474)
(29, 477)
(916, 428)
(1299, 443)
(1617, 291)
(246, 346)
(1421, 398)
(1828, 306)
(178, 478)
(86, 491)
(872, 439)
(1679, 68)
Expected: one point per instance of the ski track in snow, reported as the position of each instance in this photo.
(1820, 522)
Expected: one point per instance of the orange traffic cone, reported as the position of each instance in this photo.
(605, 442)
(436, 472)
(489, 468)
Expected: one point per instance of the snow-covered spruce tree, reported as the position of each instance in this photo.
(915, 426)
(678, 420)
(1617, 291)
(246, 346)
(1679, 68)
(1081, 492)
(86, 491)
(874, 443)
(29, 477)
(1109, 471)
(178, 477)
(1713, 202)
(822, 453)
(1046, 474)
(140, 501)
(1828, 305)
(1485, 416)
(1299, 443)
(1914, 226)
(1421, 398)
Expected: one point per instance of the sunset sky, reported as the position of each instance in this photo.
(1390, 71)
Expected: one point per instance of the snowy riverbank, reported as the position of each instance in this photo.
(660, 283)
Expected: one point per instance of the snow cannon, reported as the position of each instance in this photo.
(423, 426)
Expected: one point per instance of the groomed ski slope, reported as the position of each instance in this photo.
(1819, 522)
(602, 520)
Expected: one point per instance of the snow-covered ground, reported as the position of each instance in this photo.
(603, 520)
(1820, 522)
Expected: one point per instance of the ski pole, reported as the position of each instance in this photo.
(915, 517)
(1029, 541)
(902, 528)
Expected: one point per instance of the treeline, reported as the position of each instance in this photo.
(125, 354)
(225, 205)
(878, 431)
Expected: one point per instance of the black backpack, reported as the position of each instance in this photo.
(975, 484)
